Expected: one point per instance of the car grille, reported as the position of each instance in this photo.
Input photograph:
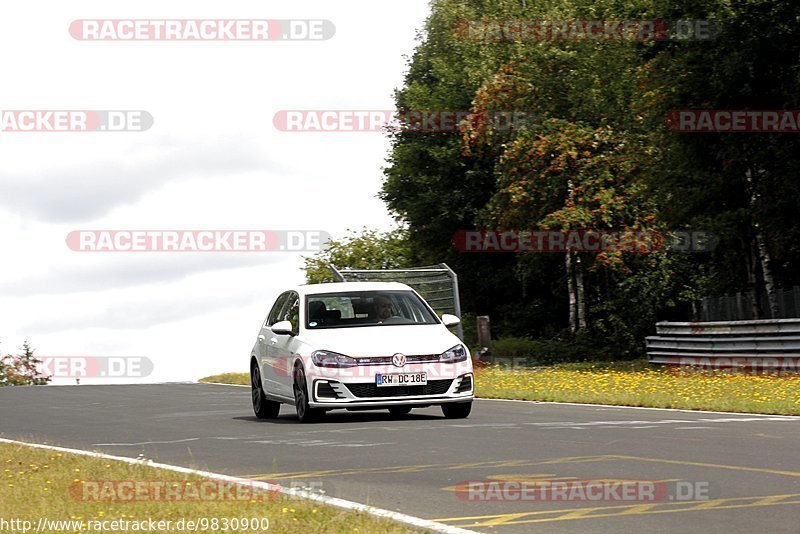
(387, 360)
(433, 387)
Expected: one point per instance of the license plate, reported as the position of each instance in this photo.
(401, 379)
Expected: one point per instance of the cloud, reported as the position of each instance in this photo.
(141, 313)
(90, 190)
(121, 272)
(138, 310)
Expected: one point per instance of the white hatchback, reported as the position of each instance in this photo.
(356, 346)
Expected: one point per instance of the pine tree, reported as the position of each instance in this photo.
(22, 369)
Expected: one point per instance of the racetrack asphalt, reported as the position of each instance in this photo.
(744, 469)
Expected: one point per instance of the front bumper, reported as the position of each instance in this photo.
(331, 393)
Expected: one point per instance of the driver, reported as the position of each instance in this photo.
(383, 308)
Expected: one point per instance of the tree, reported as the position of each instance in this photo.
(597, 153)
(22, 369)
(368, 249)
(569, 176)
(742, 185)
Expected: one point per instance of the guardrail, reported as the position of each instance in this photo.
(769, 343)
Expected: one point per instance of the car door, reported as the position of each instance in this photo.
(265, 353)
(284, 347)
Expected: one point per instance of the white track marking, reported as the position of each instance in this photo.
(616, 406)
(608, 406)
(144, 443)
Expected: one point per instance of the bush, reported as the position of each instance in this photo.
(470, 327)
(546, 351)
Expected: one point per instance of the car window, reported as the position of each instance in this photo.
(291, 312)
(366, 308)
(274, 313)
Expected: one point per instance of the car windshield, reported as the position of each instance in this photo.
(366, 308)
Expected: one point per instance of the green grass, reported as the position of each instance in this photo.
(241, 379)
(629, 383)
(632, 384)
(40, 483)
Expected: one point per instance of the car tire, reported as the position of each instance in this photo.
(457, 410)
(305, 413)
(262, 406)
(399, 411)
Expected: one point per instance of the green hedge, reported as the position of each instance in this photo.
(546, 351)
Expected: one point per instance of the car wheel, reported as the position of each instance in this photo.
(262, 406)
(305, 413)
(399, 410)
(457, 410)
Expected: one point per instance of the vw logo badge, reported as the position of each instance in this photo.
(399, 360)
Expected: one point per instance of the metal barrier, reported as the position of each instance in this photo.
(725, 344)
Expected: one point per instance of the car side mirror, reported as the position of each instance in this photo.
(283, 328)
(450, 320)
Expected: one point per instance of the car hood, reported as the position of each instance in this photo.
(411, 340)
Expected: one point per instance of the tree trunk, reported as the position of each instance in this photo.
(761, 248)
(571, 292)
(766, 271)
(752, 282)
(580, 294)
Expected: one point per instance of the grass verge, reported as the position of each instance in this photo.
(240, 379)
(637, 384)
(38, 483)
(630, 383)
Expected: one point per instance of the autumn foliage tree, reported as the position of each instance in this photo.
(564, 176)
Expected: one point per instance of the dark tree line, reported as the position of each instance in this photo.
(597, 153)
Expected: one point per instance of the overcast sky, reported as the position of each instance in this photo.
(212, 160)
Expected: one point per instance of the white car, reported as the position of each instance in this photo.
(358, 345)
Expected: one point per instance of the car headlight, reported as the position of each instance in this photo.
(326, 358)
(454, 354)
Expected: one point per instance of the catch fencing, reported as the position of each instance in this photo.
(438, 284)
(741, 306)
